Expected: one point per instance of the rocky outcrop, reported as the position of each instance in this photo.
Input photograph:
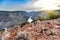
(38, 30)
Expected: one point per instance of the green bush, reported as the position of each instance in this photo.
(24, 24)
(2, 31)
(42, 18)
(54, 16)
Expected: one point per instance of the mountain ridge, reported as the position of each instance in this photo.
(9, 18)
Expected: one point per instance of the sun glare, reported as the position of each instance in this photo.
(47, 4)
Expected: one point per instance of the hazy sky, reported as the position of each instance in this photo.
(14, 5)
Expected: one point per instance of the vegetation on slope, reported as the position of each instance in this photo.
(50, 15)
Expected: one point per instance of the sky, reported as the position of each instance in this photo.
(29, 5)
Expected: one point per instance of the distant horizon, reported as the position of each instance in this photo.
(26, 10)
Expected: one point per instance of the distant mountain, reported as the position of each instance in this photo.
(10, 18)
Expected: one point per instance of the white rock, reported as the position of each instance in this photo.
(29, 20)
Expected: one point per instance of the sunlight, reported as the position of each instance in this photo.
(46, 4)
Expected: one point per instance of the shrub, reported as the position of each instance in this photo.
(24, 24)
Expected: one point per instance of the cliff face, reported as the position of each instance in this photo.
(38, 30)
